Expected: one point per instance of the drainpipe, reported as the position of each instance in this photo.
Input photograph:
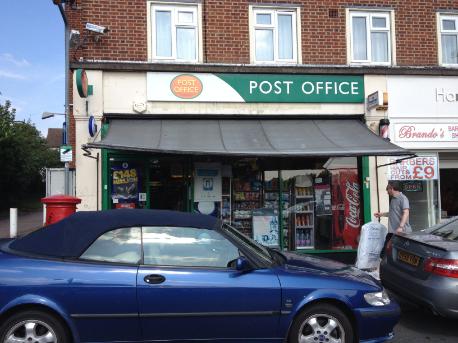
(67, 110)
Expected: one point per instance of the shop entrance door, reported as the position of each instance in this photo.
(168, 184)
(449, 192)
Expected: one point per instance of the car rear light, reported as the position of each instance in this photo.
(442, 266)
(389, 247)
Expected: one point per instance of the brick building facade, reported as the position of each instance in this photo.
(149, 45)
(226, 29)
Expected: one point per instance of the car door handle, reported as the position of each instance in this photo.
(154, 279)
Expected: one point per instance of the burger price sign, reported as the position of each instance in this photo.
(417, 168)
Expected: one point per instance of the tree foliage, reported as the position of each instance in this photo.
(23, 155)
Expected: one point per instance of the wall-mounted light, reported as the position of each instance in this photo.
(384, 128)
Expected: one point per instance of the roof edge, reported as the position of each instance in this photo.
(142, 66)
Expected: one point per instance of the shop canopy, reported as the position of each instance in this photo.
(247, 137)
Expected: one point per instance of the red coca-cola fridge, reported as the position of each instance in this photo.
(346, 209)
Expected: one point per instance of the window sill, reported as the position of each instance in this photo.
(450, 66)
(274, 63)
(166, 61)
(370, 64)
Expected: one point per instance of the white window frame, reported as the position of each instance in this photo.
(174, 8)
(441, 31)
(369, 15)
(274, 12)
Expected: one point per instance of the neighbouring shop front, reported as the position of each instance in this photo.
(423, 116)
(292, 181)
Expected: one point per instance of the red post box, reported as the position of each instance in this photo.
(59, 206)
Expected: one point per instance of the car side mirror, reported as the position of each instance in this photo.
(242, 264)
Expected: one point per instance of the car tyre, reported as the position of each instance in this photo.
(321, 323)
(32, 327)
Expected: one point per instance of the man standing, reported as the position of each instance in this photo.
(398, 216)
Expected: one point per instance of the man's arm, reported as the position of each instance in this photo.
(380, 214)
(404, 218)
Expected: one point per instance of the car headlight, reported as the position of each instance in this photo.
(377, 299)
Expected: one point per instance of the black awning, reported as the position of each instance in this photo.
(247, 137)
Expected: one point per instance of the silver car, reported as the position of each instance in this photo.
(423, 267)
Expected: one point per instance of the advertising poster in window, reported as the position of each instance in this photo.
(207, 182)
(421, 168)
(124, 192)
(322, 199)
(265, 227)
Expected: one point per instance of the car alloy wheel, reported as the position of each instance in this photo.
(320, 328)
(31, 331)
(34, 326)
(321, 323)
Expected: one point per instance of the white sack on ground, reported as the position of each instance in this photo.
(370, 245)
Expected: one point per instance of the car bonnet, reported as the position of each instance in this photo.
(324, 266)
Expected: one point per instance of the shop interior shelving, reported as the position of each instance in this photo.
(303, 217)
(226, 203)
(245, 199)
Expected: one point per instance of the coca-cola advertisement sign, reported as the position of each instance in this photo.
(352, 205)
(346, 206)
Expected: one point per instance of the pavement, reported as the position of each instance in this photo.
(418, 325)
(27, 222)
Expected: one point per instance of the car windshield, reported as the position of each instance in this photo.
(448, 230)
(260, 251)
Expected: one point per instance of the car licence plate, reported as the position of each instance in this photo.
(408, 258)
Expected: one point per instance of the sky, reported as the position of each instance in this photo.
(32, 60)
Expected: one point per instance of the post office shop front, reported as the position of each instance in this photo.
(295, 181)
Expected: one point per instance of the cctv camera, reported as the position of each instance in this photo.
(74, 38)
(96, 28)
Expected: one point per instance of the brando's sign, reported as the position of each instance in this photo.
(426, 132)
(203, 87)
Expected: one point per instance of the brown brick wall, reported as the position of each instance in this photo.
(226, 32)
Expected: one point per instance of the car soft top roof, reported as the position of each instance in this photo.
(70, 237)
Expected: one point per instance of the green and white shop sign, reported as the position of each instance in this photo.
(255, 88)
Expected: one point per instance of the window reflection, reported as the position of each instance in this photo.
(189, 247)
(120, 245)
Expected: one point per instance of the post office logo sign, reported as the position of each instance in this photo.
(254, 88)
(186, 86)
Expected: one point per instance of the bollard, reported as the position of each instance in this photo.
(13, 222)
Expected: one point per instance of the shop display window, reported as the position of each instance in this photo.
(299, 209)
(311, 205)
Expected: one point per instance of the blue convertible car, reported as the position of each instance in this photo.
(150, 276)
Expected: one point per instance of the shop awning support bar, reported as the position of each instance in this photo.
(398, 160)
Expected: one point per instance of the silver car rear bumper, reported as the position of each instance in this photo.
(438, 293)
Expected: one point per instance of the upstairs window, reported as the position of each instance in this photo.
(175, 34)
(370, 37)
(449, 39)
(274, 36)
